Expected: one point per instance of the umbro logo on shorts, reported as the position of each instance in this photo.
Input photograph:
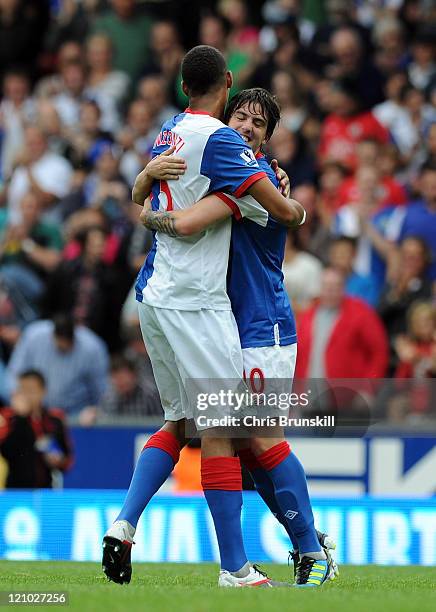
(291, 514)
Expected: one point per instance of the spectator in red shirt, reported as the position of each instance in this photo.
(333, 174)
(77, 226)
(340, 336)
(33, 439)
(347, 125)
(390, 192)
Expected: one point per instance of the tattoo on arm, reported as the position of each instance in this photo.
(160, 222)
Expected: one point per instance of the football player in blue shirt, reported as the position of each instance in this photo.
(266, 327)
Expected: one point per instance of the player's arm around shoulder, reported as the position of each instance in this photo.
(287, 211)
(177, 223)
(180, 223)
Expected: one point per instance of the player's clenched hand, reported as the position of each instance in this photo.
(166, 167)
(283, 179)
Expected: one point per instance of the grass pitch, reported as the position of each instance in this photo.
(192, 588)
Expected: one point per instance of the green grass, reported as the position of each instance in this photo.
(192, 588)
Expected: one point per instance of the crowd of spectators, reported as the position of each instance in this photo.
(84, 89)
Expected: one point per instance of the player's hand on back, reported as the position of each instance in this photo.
(166, 167)
(283, 179)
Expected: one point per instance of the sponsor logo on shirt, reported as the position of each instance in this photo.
(167, 137)
(248, 158)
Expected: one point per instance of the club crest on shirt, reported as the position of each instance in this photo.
(248, 157)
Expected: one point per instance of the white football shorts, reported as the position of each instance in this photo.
(265, 364)
(186, 346)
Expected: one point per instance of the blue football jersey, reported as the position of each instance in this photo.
(255, 280)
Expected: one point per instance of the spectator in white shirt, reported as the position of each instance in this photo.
(108, 87)
(302, 273)
(422, 68)
(16, 110)
(69, 99)
(39, 170)
(393, 114)
(136, 138)
(153, 90)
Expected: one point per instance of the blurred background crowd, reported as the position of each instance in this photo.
(85, 86)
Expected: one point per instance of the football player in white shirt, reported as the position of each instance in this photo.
(185, 313)
(267, 332)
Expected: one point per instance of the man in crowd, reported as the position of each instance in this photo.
(72, 359)
(38, 170)
(127, 396)
(33, 438)
(340, 336)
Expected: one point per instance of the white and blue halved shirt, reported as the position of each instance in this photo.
(189, 273)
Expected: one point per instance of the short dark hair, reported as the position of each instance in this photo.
(203, 69)
(428, 166)
(337, 165)
(83, 235)
(425, 248)
(93, 104)
(33, 374)
(64, 326)
(16, 71)
(223, 21)
(347, 86)
(257, 96)
(425, 34)
(347, 239)
(120, 362)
